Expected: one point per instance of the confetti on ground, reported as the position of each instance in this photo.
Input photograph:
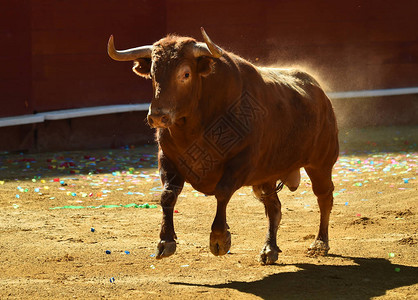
(75, 180)
(379, 188)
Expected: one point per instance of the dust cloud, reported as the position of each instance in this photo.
(344, 68)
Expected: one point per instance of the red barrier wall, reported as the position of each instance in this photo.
(55, 51)
(53, 57)
(15, 58)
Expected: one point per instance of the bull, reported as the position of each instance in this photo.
(223, 123)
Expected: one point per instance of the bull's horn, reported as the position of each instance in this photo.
(129, 54)
(208, 49)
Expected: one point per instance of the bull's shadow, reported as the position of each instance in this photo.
(371, 277)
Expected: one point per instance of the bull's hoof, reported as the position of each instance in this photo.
(269, 255)
(165, 249)
(318, 248)
(220, 243)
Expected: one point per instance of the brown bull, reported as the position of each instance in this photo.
(223, 123)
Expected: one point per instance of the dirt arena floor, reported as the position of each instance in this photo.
(75, 225)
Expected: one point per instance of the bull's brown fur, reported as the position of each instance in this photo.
(277, 121)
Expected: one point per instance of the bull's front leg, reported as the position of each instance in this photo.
(220, 237)
(173, 184)
(233, 178)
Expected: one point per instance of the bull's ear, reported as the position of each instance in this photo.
(205, 66)
(142, 67)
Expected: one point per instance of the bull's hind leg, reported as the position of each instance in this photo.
(322, 187)
(173, 184)
(267, 194)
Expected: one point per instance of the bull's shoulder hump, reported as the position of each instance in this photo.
(287, 75)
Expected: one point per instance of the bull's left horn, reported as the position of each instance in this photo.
(129, 54)
(210, 49)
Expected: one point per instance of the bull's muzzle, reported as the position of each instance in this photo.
(158, 120)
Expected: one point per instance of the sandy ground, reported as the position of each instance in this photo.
(50, 202)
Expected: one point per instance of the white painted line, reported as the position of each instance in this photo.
(21, 120)
(72, 113)
(94, 111)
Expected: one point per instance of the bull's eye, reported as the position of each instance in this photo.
(184, 74)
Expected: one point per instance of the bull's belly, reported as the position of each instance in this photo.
(291, 177)
(203, 170)
(206, 181)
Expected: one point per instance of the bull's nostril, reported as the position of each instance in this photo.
(164, 119)
(150, 120)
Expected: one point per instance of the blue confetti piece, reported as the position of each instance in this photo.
(127, 252)
(108, 252)
(112, 280)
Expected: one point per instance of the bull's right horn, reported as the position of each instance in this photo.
(129, 54)
(208, 48)
(214, 49)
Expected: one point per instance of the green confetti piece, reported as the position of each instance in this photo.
(146, 205)
(68, 207)
(110, 206)
(131, 205)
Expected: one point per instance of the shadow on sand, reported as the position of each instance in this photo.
(371, 277)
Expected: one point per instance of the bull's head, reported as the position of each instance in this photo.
(176, 66)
